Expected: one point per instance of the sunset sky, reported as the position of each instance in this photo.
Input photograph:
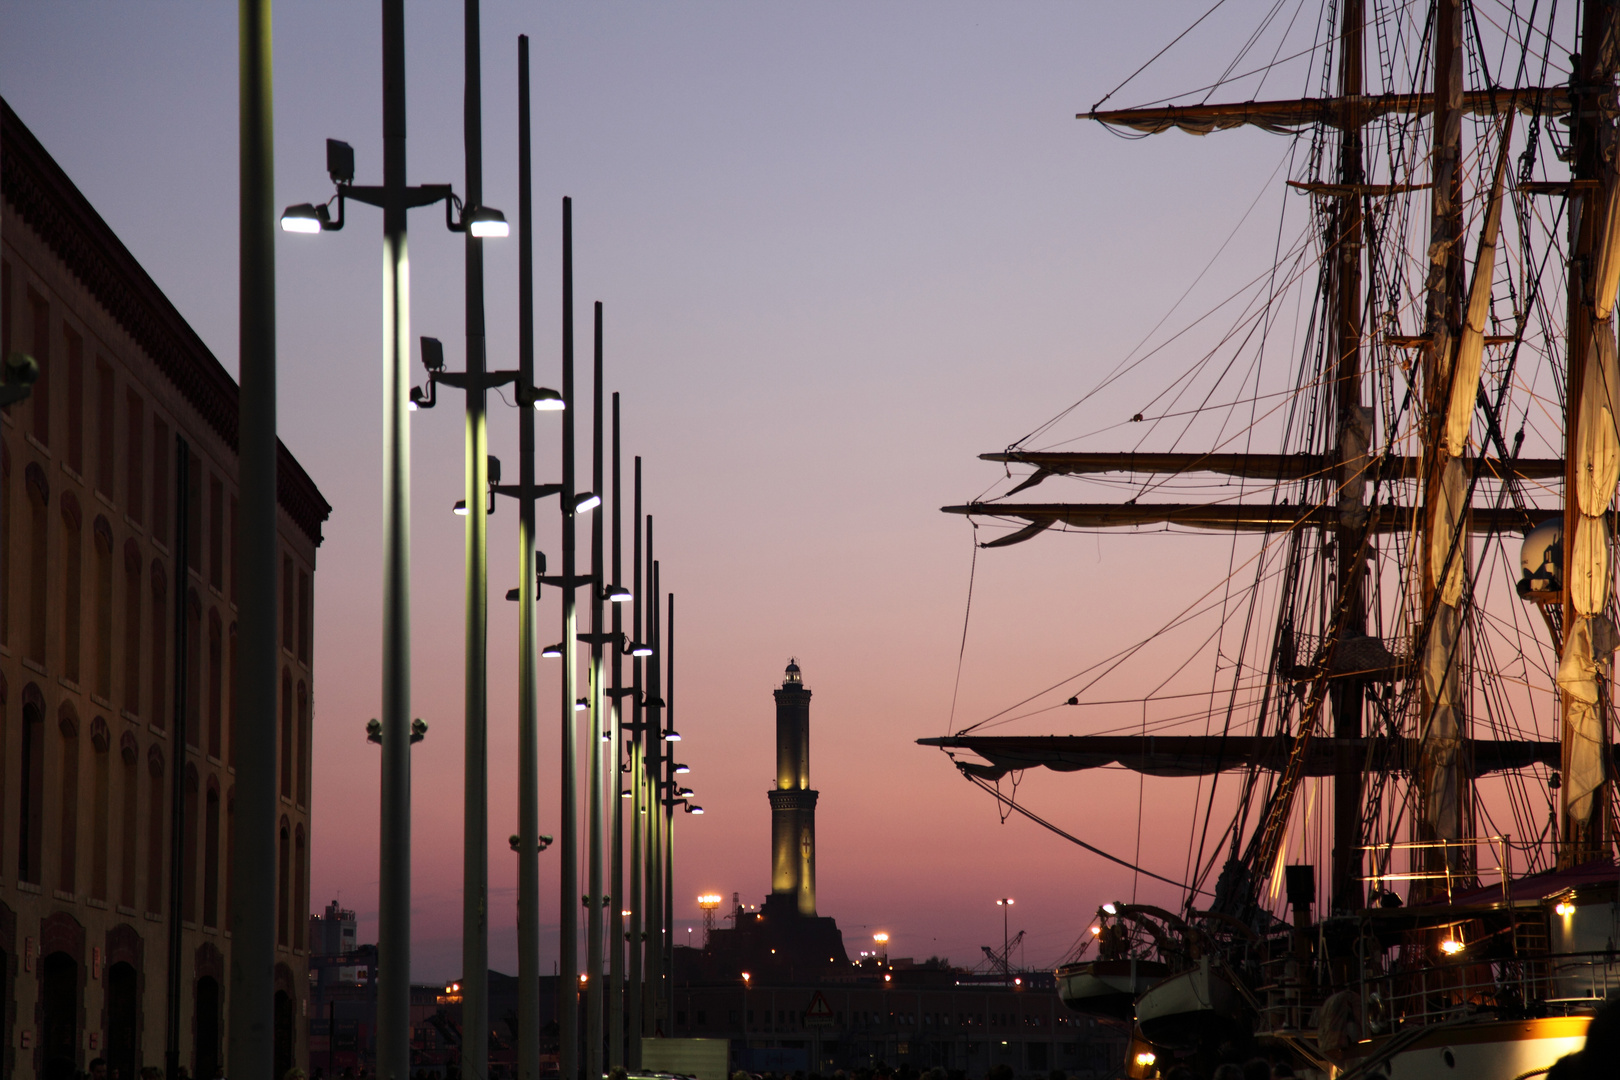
(843, 248)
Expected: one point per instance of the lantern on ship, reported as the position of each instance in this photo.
(1541, 561)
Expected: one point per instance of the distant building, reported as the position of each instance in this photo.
(804, 1006)
(92, 510)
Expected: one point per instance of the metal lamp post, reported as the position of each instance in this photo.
(394, 732)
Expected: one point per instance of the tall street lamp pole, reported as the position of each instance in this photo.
(253, 860)
(638, 804)
(568, 984)
(595, 788)
(475, 821)
(653, 720)
(615, 935)
(670, 735)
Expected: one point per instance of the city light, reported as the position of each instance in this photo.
(552, 652)
(746, 977)
(461, 507)
(302, 218)
(1565, 908)
(548, 400)
(1451, 947)
(679, 768)
(1146, 1058)
(1095, 930)
(881, 938)
(1005, 901)
(710, 900)
(588, 501)
(1110, 908)
(485, 223)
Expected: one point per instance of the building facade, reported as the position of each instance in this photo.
(118, 496)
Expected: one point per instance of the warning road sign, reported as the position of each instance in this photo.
(819, 1014)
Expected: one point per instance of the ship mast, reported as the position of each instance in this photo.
(1442, 783)
(1353, 431)
(1583, 702)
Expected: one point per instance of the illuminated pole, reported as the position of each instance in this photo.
(653, 721)
(1006, 960)
(595, 788)
(638, 804)
(475, 819)
(615, 1022)
(528, 723)
(669, 803)
(252, 916)
(568, 984)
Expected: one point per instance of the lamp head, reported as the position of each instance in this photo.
(433, 354)
(638, 648)
(682, 769)
(461, 508)
(339, 161)
(486, 223)
(694, 809)
(618, 594)
(672, 736)
(685, 793)
(302, 218)
(548, 400)
(552, 652)
(588, 500)
(581, 704)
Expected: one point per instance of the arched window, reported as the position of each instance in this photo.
(39, 498)
(100, 745)
(194, 633)
(67, 843)
(101, 681)
(303, 745)
(216, 684)
(211, 855)
(188, 847)
(31, 800)
(300, 918)
(230, 691)
(154, 830)
(7, 514)
(160, 637)
(129, 750)
(132, 627)
(286, 734)
(72, 587)
(284, 884)
(230, 850)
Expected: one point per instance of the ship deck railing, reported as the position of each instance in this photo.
(1537, 984)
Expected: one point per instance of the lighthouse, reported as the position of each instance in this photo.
(793, 800)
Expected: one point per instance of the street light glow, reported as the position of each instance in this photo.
(1451, 946)
(618, 594)
(300, 219)
(672, 736)
(461, 507)
(679, 768)
(552, 652)
(486, 223)
(548, 400)
(580, 705)
(881, 938)
(588, 501)
(1110, 908)
(710, 900)
(639, 649)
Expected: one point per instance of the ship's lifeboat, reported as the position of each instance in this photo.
(1108, 987)
(1192, 1007)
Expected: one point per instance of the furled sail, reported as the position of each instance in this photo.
(1291, 116)
(1471, 343)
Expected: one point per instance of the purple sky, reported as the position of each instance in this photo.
(844, 248)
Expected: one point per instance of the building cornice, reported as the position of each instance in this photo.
(48, 202)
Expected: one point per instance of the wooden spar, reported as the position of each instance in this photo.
(1257, 466)
(1292, 115)
(1233, 517)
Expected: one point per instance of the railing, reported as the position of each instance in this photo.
(1551, 983)
(1453, 871)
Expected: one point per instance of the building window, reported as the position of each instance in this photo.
(287, 603)
(72, 587)
(135, 458)
(233, 548)
(286, 734)
(130, 751)
(160, 481)
(39, 497)
(216, 684)
(132, 627)
(188, 847)
(303, 745)
(305, 616)
(7, 515)
(230, 693)
(154, 831)
(100, 744)
(283, 880)
(160, 638)
(106, 406)
(5, 736)
(67, 878)
(211, 856)
(194, 514)
(75, 398)
(300, 916)
(216, 532)
(31, 800)
(230, 848)
(41, 394)
(194, 633)
(101, 533)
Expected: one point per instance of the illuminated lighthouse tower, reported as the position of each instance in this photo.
(793, 802)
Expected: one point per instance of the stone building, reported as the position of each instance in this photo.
(118, 589)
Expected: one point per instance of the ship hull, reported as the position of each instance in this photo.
(1188, 1009)
(1495, 1050)
(1108, 988)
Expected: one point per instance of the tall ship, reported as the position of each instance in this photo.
(1402, 862)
